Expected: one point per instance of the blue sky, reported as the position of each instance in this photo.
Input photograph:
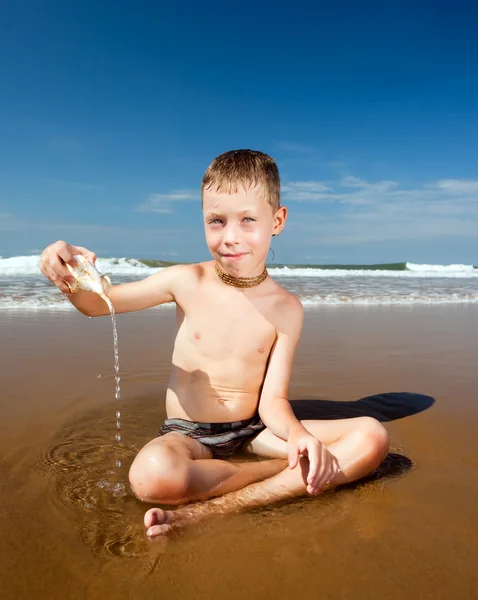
(110, 113)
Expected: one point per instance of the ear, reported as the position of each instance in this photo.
(279, 220)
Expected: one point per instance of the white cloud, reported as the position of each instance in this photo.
(19, 236)
(306, 186)
(458, 186)
(355, 182)
(353, 210)
(163, 203)
(383, 211)
(306, 191)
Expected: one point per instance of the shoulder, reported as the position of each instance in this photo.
(283, 299)
(185, 278)
(176, 277)
(288, 310)
(183, 270)
(197, 272)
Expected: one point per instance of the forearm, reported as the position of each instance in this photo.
(278, 416)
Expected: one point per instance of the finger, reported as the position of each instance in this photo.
(314, 487)
(43, 265)
(325, 472)
(67, 254)
(314, 462)
(293, 452)
(333, 470)
(88, 254)
(323, 467)
(59, 282)
(335, 465)
(53, 268)
(59, 269)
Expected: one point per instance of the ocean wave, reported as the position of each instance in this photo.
(319, 272)
(46, 303)
(441, 268)
(56, 302)
(384, 300)
(30, 265)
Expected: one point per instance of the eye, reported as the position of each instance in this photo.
(249, 219)
(216, 221)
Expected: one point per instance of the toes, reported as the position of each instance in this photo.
(158, 531)
(154, 516)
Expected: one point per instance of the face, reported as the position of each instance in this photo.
(239, 228)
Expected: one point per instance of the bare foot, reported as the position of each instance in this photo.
(158, 522)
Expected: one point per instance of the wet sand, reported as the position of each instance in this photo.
(65, 534)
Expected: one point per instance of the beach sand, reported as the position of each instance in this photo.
(65, 534)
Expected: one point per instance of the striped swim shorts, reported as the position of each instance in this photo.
(224, 439)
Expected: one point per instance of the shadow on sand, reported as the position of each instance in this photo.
(383, 407)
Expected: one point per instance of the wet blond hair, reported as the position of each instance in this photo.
(244, 168)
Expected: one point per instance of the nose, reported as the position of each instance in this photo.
(231, 234)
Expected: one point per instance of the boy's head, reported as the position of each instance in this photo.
(242, 211)
(244, 169)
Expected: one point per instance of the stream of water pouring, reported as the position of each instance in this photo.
(117, 375)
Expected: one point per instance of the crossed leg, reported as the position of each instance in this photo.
(176, 470)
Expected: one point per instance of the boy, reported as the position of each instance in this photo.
(231, 365)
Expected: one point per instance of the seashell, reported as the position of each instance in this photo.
(88, 278)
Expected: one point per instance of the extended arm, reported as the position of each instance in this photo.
(152, 291)
(127, 297)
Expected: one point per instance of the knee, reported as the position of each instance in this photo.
(159, 475)
(375, 440)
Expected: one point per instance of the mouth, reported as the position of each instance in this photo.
(237, 256)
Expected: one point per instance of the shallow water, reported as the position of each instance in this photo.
(32, 291)
(69, 531)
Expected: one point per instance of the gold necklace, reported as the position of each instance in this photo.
(240, 282)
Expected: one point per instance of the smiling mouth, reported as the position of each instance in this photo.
(235, 255)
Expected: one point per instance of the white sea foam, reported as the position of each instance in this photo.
(61, 304)
(55, 303)
(22, 287)
(384, 300)
(20, 265)
(125, 266)
(442, 268)
(30, 265)
(317, 272)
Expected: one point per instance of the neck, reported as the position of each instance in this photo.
(240, 282)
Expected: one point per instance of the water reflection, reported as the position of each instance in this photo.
(93, 494)
(86, 485)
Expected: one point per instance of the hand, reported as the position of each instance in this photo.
(54, 259)
(323, 466)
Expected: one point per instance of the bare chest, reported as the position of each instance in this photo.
(226, 330)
